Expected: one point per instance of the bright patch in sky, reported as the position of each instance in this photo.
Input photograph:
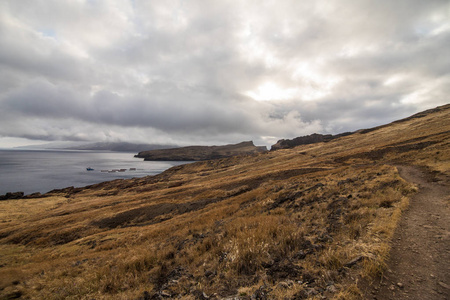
(314, 83)
(270, 91)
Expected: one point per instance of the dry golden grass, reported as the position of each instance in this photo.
(284, 224)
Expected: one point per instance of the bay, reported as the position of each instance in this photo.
(31, 171)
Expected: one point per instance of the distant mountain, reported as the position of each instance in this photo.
(100, 146)
(120, 147)
(195, 153)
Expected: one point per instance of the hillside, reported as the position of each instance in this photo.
(197, 153)
(301, 223)
(318, 138)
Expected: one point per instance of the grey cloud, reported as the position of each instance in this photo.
(180, 72)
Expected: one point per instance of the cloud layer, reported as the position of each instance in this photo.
(217, 72)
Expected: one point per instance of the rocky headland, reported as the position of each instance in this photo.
(198, 153)
(306, 140)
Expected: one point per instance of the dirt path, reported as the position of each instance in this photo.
(419, 264)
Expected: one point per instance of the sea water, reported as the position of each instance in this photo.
(31, 171)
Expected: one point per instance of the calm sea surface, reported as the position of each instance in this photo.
(41, 171)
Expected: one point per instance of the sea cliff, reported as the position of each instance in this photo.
(198, 153)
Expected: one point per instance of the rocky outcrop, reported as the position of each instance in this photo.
(197, 153)
(9, 196)
(305, 140)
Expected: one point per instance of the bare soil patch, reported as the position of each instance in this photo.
(419, 263)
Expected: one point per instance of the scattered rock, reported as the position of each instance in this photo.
(286, 284)
(312, 292)
(14, 295)
(400, 285)
(300, 255)
(284, 269)
(444, 285)
(209, 273)
(331, 289)
(166, 294)
(353, 261)
(324, 238)
(342, 182)
(200, 295)
(261, 293)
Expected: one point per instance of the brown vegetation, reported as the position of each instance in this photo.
(290, 224)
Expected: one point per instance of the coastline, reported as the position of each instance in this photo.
(41, 171)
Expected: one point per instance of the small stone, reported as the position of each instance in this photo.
(444, 285)
(400, 285)
(311, 291)
(283, 285)
(353, 261)
(14, 295)
(392, 287)
(208, 274)
(432, 276)
(331, 289)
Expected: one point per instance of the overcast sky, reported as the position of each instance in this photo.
(216, 72)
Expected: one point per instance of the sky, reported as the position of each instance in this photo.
(216, 72)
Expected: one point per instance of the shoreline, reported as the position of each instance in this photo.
(41, 171)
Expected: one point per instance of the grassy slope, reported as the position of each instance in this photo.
(285, 224)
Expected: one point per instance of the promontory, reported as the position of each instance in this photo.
(197, 153)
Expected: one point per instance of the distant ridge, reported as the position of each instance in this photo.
(197, 153)
(120, 146)
(306, 140)
(99, 146)
(319, 138)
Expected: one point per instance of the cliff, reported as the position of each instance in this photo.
(306, 140)
(197, 153)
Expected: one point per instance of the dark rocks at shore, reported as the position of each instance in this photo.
(305, 140)
(11, 196)
(198, 153)
(20, 195)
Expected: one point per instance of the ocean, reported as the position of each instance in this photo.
(31, 171)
